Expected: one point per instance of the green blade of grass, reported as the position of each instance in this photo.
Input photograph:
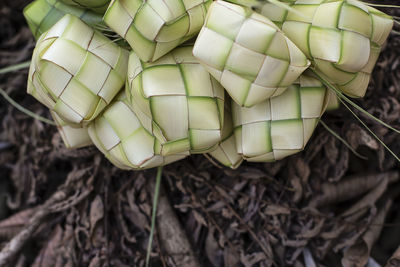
(154, 213)
(381, 5)
(396, 32)
(343, 97)
(15, 67)
(24, 110)
(332, 132)
(371, 132)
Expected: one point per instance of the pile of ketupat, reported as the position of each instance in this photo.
(234, 80)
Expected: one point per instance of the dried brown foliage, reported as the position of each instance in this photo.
(323, 207)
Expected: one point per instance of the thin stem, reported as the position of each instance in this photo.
(15, 67)
(154, 213)
(372, 132)
(382, 5)
(24, 110)
(343, 97)
(332, 132)
(396, 32)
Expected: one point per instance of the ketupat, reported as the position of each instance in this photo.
(282, 125)
(250, 56)
(118, 133)
(154, 27)
(41, 15)
(343, 38)
(178, 101)
(76, 71)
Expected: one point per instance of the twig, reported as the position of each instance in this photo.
(393, 176)
(24, 110)
(211, 219)
(53, 204)
(16, 243)
(266, 251)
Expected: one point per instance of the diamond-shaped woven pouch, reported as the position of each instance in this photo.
(247, 53)
(118, 133)
(177, 100)
(282, 125)
(76, 71)
(41, 15)
(343, 38)
(154, 27)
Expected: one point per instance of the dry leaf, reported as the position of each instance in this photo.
(50, 252)
(358, 254)
(96, 212)
(213, 251)
(274, 209)
(350, 187)
(250, 260)
(199, 218)
(369, 199)
(12, 225)
(394, 260)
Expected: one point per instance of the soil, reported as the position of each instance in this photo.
(325, 206)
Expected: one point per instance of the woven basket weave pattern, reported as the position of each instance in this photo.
(41, 15)
(177, 100)
(280, 126)
(343, 38)
(61, 74)
(153, 28)
(118, 133)
(251, 57)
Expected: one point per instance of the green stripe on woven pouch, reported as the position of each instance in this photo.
(280, 126)
(344, 47)
(153, 28)
(41, 15)
(76, 71)
(119, 135)
(177, 101)
(251, 57)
